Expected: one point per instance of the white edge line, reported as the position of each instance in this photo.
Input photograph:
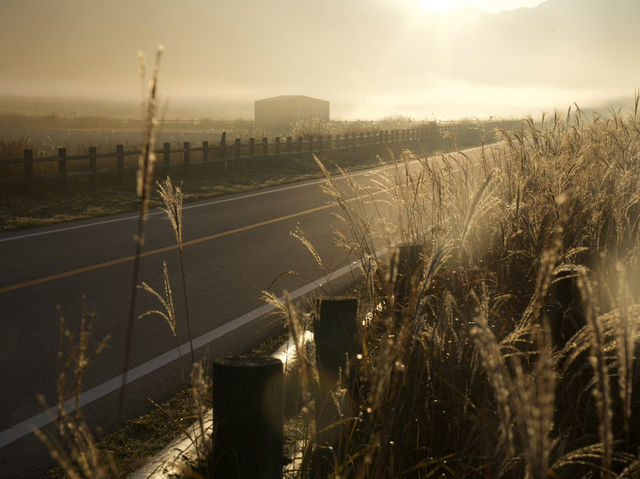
(40, 420)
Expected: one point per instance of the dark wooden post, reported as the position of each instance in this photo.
(252, 147)
(205, 152)
(238, 145)
(166, 153)
(62, 167)
(361, 137)
(222, 150)
(28, 168)
(187, 155)
(300, 144)
(248, 418)
(120, 161)
(338, 142)
(406, 266)
(337, 338)
(265, 146)
(289, 146)
(93, 152)
(277, 145)
(567, 314)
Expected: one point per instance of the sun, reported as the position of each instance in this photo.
(440, 5)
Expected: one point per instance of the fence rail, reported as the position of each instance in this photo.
(93, 163)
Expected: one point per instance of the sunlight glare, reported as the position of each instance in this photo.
(440, 5)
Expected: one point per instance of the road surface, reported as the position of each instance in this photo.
(235, 247)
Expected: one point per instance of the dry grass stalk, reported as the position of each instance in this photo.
(172, 198)
(144, 177)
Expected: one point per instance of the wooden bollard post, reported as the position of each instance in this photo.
(406, 264)
(300, 140)
(265, 146)
(62, 167)
(252, 147)
(277, 145)
(248, 410)
(337, 337)
(289, 146)
(567, 313)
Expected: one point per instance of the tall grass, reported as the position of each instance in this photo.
(468, 380)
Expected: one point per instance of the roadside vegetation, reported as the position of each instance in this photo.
(513, 351)
(510, 349)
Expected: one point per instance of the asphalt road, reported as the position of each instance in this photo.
(235, 247)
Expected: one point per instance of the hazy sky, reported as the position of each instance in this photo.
(369, 58)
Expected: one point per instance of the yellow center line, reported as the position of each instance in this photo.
(126, 259)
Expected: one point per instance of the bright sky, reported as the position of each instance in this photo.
(369, 58)
(491, 6)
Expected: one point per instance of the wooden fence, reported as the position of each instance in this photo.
(91, 165)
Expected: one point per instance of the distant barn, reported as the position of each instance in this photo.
(276, 114)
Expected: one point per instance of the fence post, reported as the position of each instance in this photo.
(62, 167)
(252, 147)
(223, 150)
(237, 148)
(300, 144)
(265, 146)
(187, 155)
(277, 145)
(337, 142)
(166, 153)
(28, 168)
(337, 338)
(406, 265)
(120, 161)
(248, 418)
(289, 146)
(93, 151)
(311, 143)
(567, 313)
(205, 152)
